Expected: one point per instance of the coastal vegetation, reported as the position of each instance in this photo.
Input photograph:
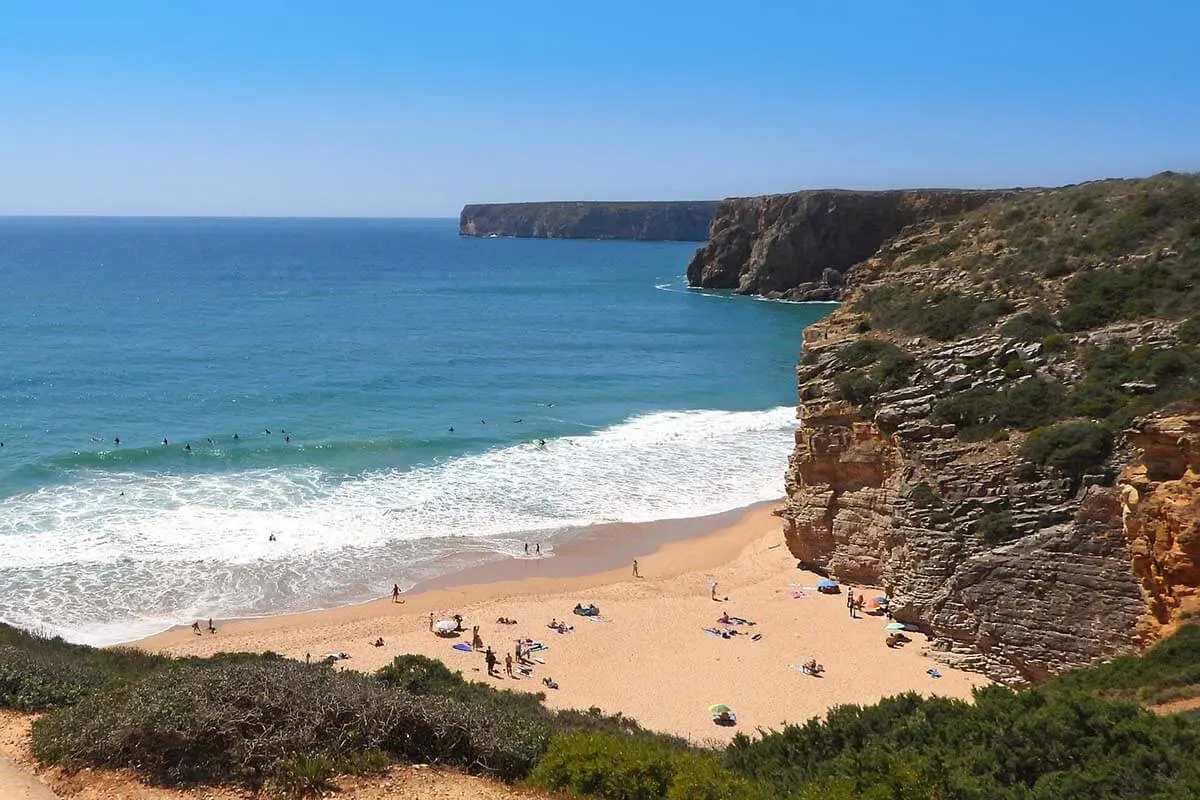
(266, 721)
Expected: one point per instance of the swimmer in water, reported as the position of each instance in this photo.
(235, 437)
(452, 429)
(117, 440)
(541, 442)
(164, 440)
(267, 431)
(210, 441)
(187, 447)
(287, 438)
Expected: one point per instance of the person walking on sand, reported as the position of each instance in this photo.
(196, 627)
(476, 639)
(527, 548)
(635, 569)
(508, 665)
(490, 658)
(538, 549)
(395, 593)
(850, 603)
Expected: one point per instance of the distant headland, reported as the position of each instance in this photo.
(681, 221)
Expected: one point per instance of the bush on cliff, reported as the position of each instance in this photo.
(982, 411)
(1070, 447)
(1030, 326)
(940, 314)
(890, 368)
(1162, 375)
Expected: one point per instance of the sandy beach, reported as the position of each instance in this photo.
(648, 655)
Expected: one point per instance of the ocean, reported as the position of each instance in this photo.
(346, 403)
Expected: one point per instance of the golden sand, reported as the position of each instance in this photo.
(648, 656)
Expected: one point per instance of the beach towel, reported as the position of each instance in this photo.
(463, 646)
(933, 673)
(717, 632)
(540, 660)
(756, 637)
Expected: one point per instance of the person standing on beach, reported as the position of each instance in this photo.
(476, 639)
(508, 665)
(490, 658)
(635, 569)
(211, 628)
(527, 548)
(431, 620)
(395, 593)
(850, 602)
(712, 590)
(539, 548)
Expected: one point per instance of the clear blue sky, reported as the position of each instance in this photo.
(412, 109)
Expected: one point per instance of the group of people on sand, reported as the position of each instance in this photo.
(196, 627)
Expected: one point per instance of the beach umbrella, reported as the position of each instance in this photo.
(720, 708)
(445, 626)
(897, 626)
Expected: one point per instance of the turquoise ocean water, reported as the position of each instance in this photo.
(366, 342)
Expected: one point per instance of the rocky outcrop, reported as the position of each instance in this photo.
(652, 221)
(1016, 574)
(800, 246)
(914, 468)
(1161, 505)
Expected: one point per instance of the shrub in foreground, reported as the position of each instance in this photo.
(252, 722)
(40, 672)
(1031, 744)
(612, 767)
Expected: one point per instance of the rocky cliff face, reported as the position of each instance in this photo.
(965, 437)
(666, 221)
(799, 246)
(1161, 510)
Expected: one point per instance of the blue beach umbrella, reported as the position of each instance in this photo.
(827, 584)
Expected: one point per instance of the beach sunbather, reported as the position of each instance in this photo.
(549, 683)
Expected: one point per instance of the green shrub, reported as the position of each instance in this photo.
(1168, 670)
(1030, 326)
(995, 527)
(940, 314)
(1007, 745)
(704, 778)
(922, 495)
(857, 387)
(890, 368)
(607, 767)
(1189, 330)
(243, 722)
(39, 672)
(1070, 447)
(981, 411)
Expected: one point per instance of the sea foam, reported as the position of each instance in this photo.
(96, 565)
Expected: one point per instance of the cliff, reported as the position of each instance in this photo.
(799, 246)
(666, 221)
(998, 426)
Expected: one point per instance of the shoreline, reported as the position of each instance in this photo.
(652, 655)
(594, 557)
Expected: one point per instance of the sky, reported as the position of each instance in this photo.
(397, 109)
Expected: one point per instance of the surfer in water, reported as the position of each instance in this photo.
(164, 441)
(117, 440)
(187, 447)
